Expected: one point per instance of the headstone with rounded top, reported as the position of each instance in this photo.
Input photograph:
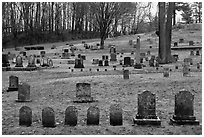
(166, 72)
(191, 53)
(191, 43)
(19, 61)
(13, 83)
(25, 116)
(186, 71)
(113, 57)
(48, 117)
(127, 61)
(83, 93)
(197, 53)
(125, 74)
(79, 63)
(71, 115)
(106, 63)
(116, 115)
(175, 44)
(100, 63)
(93, 114)
(184, 110)
(42, 53)
(23, 93)
(146, 109)
(31, 61)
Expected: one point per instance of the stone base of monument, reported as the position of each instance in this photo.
(184, 121)
(18, 65)
(12, 89)
(18, 100)
(6, 68)
(84, 100)
(138, 66)
(142, 121)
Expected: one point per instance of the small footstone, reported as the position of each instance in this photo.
(48, 117)
(71, 115)
(25, 116)
(116, 116)
(93, 115)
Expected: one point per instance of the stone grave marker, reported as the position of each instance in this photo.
(100, 63)
(31, 61)
(103, 57)
(130, 42)
(71, 115)
(137, 55)
(146, 109)
(113, 57)
(23, 93)
(95, 61)
(125, 74)
(175, 44)
(121, 62)
(191, 43)
(38, 61)
(19, 61)
(5, 61)
(83, 93)
(106, 63)
(197, 53)
(48, 117)
(166, 72)
(93, 114)
(198, 65)
(42, 53)
(184, 110)
(148, 52)
(79, 63)
(116, 115)
(25, 116)
(44, 62)
(127, 61)
(181, 40)
(186, 71)
(112, 49)
(141, 60)
(66, 54)
(191, 53)
(13, 83)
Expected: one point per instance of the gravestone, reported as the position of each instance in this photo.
(44, 62)
(176, 57)
(148, 52)
(97, 69)
(5, 61)
(125, 74)
(151, 62)
(113, 57)
(112, 49)
(93, 115)
(191, 53)
(106, 63)
(79, 63)
(66, 54)
(116, 115)
(25, 116)
(106, 57)
(38, 61)
(71, 61)
(181, 40)
(132, 62)
(95, 61)
(130, 42)
(184, 110)
(100, 63)
(103, 57)
(197, 53)
(13, 83)
(137, 55)
(71, 115)
(186, 71)
(198, 65)
(191, 43)
(114, 67)
(127, 61)
(42, 53)
(146, 109)
(83, 93)
(31, 61)
(48, 117)
(188, 61)
(166, 72)
(23, 93)
(19, 61)
(175, 44)
(142, 55)
(83, 57)
(79, 56)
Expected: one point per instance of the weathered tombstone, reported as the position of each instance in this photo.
(83, 57)
(186, 71)
(93, 114)
(191, 43)
(130, 42)
(116, 115)
(13, 83)
(44, 62)
(100, 63)
(188, 61)
(25, 116)
(191, 53)
(38, 61)
(103, 57)
(184, 110)
(198, 65)
(31, 61)
(141, 60)
(5, 61)
(127, 61)
(166, 72)
(146, 109)
(175, 44)
(132, 52)
(148, 52)
(121, 62)
(157, 64)
(50, 62)
(95, 61)
(197, 53)
(71, 115)
(106, 57)
(112, 49)
(48, 117)
(181, 40)
(151, 62)
(83, 93)
(114, 67)
(23, 93)
(97, 69)
(113, 57)
(125, 74)
(176, 57)
(19, 61)
(42, 53)
(79, 63)
(66, 54)
(106, 63)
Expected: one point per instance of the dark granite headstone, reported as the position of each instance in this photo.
(103, 57)
(71, 115)
(106, 63)
(147, 109)
(181, 40)
(79, 63)
(116, 115)
(100, 63)
(184, 111)
(31, 61)
(23, 93)
(186, 71)
(127, 61)
(13, 83)
(83, 93)
(19, 61)
(197, 53)
(191, 43)
(48, 117)
(42, 53)
(125, 74)
(130, 42)
(93, 115)
(175, 44)
(25, 116)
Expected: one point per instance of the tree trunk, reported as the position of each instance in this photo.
(174, 14)
(162, 39)
(102, 43)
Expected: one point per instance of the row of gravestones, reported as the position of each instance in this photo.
(183, 113)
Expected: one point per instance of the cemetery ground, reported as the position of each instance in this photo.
(56, 88)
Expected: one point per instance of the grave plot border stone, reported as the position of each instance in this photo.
(71, 116)
(139, 119)
(179, 118)
(25, 116)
